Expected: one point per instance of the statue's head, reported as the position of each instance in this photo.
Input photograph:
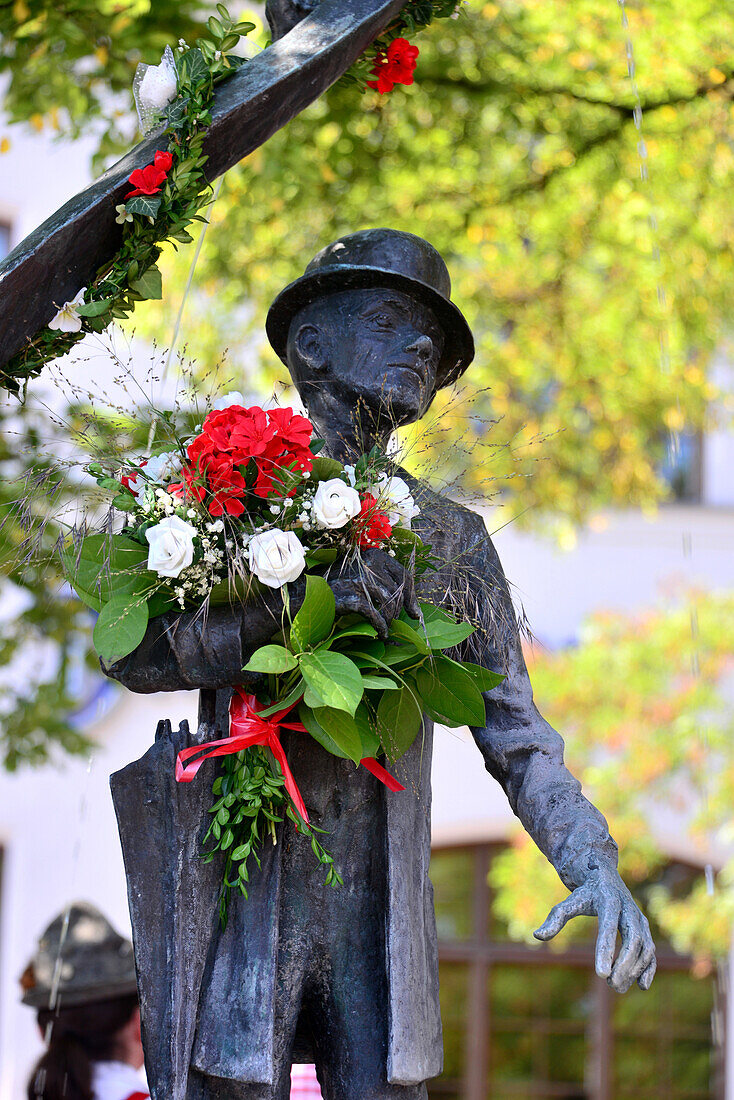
(283, 15)
(371, 323)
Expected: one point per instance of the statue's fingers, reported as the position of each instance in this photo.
(575, 905)
(606, 937)
(627, 965)
(410, 597)
(357, 603)
(645, 979)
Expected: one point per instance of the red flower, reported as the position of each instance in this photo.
(147, 181)
(394, 66)
(289, 449)
(241, 433)
(163, 161)
(125, 479)
(372, 525)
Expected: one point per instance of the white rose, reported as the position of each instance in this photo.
(158, 86)
(396, 495)
(67, 319)
(335, 503)
(171, 546)
(276, 557)
(227, 399)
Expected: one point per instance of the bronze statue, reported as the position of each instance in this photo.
(349, 977)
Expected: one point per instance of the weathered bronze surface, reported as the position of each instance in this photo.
(52, 263)
(346, 977)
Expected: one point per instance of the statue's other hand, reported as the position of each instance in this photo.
(604, 894)
(376, 587)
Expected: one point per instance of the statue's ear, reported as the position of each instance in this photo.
(312, 348)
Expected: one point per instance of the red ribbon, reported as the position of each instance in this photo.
(247, 729)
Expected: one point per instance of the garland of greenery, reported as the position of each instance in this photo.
(149, 220)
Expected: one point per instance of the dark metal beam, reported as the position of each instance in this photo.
(62, 255)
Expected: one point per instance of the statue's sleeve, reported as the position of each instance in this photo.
(520, 749)
(197, 649)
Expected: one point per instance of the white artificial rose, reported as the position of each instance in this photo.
(67, 319)
(276, 557)
(158, 86)
(171, 546)
(398, 500)
(335, 503)
(228, 399)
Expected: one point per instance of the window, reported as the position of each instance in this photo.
(522, 1022)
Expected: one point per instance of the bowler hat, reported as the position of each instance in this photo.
(380, 258)
(80, 959)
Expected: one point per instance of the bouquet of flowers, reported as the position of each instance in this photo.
(246, 504)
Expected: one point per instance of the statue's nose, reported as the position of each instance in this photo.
(423, 347)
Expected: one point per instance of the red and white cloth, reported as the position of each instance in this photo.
(304, 1083)
(118, 1081)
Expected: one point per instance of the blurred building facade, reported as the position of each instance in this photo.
(519, 1022)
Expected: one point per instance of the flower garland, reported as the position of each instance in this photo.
(168, 194)
(392, 59)
(166, 197)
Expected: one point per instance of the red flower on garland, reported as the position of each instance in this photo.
(395, 65)
(371, 525)
(149, 180)
(146, 181)
(163, 161)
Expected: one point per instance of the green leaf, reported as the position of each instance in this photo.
(192, 68)
(484, 679)
(396, 654)
(378, 683)
(366, 726)
(334, 677)
(322, 556)
(451, 692)
(355, 630)
(315, 618)
(150, 284)
(94, 309)
(400, 629)
(324, 469)
(106, 565)
(120, 627)
(308, 716)
(343, 731)
(443, 635)
(398, 720)
(292, 697)
(147, 205)
(271, 658)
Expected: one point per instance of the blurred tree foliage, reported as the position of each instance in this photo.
(70, 66)
(516, 153)
(648, 720)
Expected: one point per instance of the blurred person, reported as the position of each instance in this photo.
(81, 980)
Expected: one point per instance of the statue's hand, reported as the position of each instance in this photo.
(376, 587)
(604, 894)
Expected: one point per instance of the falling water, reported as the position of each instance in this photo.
(673, 454)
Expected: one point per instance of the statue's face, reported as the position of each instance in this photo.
(283, 15)
(380, 347)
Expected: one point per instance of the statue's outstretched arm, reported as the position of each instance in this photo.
(525, 754)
